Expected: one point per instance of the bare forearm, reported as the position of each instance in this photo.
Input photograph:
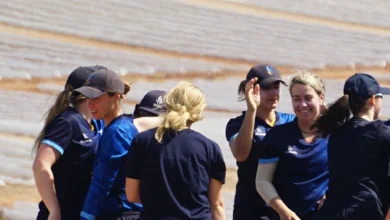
(388, 215)
(278, 205)
(218, 213)
(243, 142)
(44, 181)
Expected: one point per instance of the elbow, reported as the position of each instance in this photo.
(240, 157)
(37, 166)
(238, 153)
(259, 184)
(217, 205)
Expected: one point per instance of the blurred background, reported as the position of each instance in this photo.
(156, 43)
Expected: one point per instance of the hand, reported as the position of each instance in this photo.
(252, 94)
(56, 215)
(321, 202)
(289, 215)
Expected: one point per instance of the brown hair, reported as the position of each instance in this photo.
(338, 113)
(123, 95)
(241, 90)
(63, 101)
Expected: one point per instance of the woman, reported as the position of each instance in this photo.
(358, 152)
(106, 197)
(175, 171)
(292, 173)
(64, 151)
(245, 135)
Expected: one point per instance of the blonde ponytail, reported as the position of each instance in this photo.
(185, 105)
(62, 102)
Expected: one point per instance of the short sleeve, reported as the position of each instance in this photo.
(132, 160)
(218, 166)
(58, 134)
(272, 149)
(232, 128)
(384, 137)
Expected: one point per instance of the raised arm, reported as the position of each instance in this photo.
(241, 143)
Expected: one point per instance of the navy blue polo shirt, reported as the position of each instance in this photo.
(71, 135)
(386, 195)
(358, 154)
(175, 175)
(107, 191)
(301, 177)
(246, 194)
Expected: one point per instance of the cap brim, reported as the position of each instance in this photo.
(269, 81)
(89, 92)
(152, 111)
(384, 91)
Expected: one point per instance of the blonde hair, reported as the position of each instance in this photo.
(304, 77)
(185, 104)
(63, 101)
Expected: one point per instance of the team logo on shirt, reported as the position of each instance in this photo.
(86, 139)
(260, 131)
(159, 102)
(291, 150)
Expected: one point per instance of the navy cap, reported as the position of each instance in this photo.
(363, 85)
(266, 75)
(152, 102)
(79, 76)
(100, 82)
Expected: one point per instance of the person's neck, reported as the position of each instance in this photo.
(267, 115)
(86, 115)
(367, 116)
(109, 118)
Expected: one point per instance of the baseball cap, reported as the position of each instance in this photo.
(266, 75)
(100, 82)
(79, 76)
(152, 102)
(363, 85)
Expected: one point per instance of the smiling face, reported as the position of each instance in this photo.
(104, 107)
(270, 96)
(306, 102)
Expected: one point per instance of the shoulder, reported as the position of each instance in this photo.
(285, 117)
(68, 118)
(199, 136)
(236, 120)
(382, 128)
(146, 135)
(281, 132)
(122, 125)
